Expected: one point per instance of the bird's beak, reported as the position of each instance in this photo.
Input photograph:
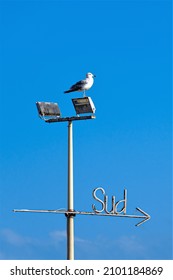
(94, 75)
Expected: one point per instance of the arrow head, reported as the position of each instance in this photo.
(146, 217)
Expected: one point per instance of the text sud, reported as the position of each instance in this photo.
(118, 207)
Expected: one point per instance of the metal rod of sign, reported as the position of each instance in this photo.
(145, 216)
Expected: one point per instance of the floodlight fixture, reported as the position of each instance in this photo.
(48, 109)
(83, 105)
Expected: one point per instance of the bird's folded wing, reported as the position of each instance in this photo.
(79, 84)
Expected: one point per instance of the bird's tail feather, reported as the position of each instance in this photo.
(67, 91)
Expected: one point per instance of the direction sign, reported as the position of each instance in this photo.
(114, 212)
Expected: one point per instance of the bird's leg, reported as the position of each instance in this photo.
(84, 93)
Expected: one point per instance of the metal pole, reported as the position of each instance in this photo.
(70, 217)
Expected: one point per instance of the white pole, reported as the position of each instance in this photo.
(70, 217)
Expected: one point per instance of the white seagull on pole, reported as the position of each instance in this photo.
(83, 85)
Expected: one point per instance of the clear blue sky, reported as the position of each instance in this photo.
(45, 47)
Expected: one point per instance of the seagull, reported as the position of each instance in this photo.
(82, 85)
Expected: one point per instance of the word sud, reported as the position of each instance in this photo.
(118, 207)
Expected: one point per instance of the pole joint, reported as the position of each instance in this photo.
(68, 214)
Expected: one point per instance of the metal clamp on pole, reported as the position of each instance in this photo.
(70, 213)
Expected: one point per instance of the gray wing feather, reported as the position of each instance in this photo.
(79, 84)
(77, 87)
